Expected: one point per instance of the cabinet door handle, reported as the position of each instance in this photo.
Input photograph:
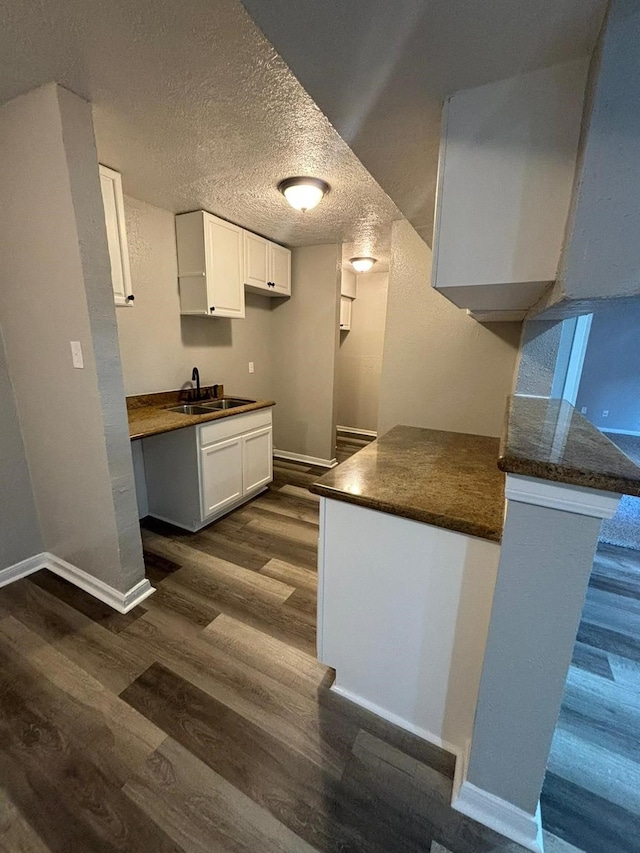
(130, 298)
(271, 283)
(212, 308)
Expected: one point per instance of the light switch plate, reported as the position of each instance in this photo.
(76, 354)
(251, 369)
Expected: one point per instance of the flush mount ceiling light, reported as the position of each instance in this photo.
(303, 193)
(362, 264)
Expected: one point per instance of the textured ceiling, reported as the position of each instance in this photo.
(380, 70)
(196, 109)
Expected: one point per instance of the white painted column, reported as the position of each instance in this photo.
(550, 536)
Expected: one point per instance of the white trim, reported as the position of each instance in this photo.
(577, 499)
(501, 816)
(400, 722)
(576, 358)
(367, 433)
(606, 431)
(21, 569)
(320, 564)
(120, 601)
(308, 460)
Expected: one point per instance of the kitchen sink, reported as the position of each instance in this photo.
(190, 410)
(227, 403)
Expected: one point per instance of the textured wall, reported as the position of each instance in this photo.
(611, 372)
(359, 362)
(19, 528)
(304, 345)
(159, 347)
(56, 286)
(538, 357)
(440, 368)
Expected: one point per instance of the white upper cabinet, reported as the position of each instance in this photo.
(256, 262)
(280, 270)
(267, 266)
(210, 265)
(507, 162)
(348, 285)
(112, 200)
(345, 313)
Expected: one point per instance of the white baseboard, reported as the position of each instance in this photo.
(305, 460)
(501, 816)
(365, 433)
(631, 432)
(21, 569)
(400, 722)
(120, 601)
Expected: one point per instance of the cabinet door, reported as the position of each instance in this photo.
(112, 200)
(256, 261)
(257, 459)
(345, 313)
(221, 475)
(224, 272)
(280, 270)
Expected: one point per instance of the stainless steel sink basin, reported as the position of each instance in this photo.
(227, 403)
(190, 410)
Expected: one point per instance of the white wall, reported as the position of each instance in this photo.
(159, 348)
(20, 536)
(54, 266)
(440, 369)
(304, 345)
(359, 362)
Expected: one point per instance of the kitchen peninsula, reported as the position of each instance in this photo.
(409, 547)
(452, 575)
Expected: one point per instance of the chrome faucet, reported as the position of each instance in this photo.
(195, 377)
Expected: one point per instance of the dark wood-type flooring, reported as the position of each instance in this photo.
(202, 721)
(591, 796)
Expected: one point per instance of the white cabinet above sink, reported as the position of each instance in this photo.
(267, 266)
(210, 265)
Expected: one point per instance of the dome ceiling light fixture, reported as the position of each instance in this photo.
(362, 264)
(303, 193)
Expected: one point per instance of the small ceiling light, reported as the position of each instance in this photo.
(303, 193)
(362, 264)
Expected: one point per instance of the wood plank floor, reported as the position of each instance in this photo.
(591, 796)
(202, 721)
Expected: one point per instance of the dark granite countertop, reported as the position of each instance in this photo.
(447, 479)
(148, 413)
(549, 440)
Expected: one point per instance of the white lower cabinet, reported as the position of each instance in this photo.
(257, 460)
(195, 475)
(221, 474)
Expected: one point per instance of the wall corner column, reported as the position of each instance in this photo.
(549, 541)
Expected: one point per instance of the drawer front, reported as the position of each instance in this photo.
(233, 425)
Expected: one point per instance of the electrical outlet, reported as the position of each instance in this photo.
(251, 368)
(583, 410)
(76, 354)
(605, 413)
